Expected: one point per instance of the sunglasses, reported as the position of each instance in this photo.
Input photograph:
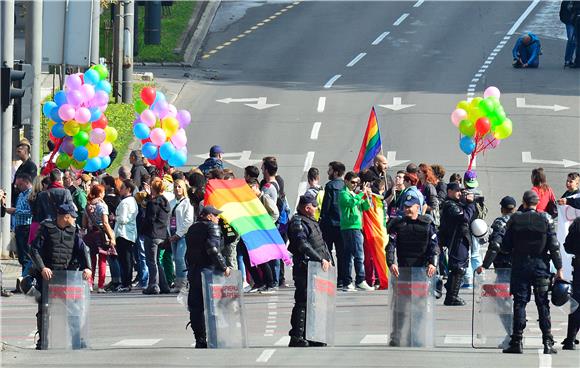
(355, 182)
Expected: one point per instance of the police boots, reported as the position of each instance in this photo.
(453, 286)
(516, 346)
(570, 341)
(549, 345)
(298, 331)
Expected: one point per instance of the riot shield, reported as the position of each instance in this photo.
(65, 304)
(321, 304)
(410, 321)
(492, 309)
(224, 309)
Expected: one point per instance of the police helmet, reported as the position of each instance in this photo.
(478, 228)
(561, 292)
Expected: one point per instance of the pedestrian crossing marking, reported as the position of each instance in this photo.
(374, 339)
(137, 342)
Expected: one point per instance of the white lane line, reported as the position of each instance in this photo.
(265, 356)
(308, 160)
(269, 327)
(268, 335)
(544, 360)
(268, 332)
(418, 3)
(472, 85)
(401, 19)
(284, 341)
(315, 129)
(478, 75)
(457, 340)
(380, 38)
(332, 80)
(272, 313)
(374, 339)
(522, 18)
(356, 59)
(475, 80)
(321, 104)
(481, 71)
(137, 342)
(484, 66)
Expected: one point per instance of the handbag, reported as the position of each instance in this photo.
(97, 238)
(552, 207)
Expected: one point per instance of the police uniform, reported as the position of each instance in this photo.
(415, 244)
(59, 250)
(572, 246)
(204, 246)
(454, 234)
(306, 245)
(531, 240)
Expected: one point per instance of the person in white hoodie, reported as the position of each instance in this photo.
(126, 232)
(180, 221)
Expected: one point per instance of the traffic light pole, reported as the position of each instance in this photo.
(7, 34)
(128, 52)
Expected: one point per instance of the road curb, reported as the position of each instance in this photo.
(201, 31)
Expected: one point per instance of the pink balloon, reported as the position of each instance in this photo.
(148, 117)
(172, 112)
(83, 115)
(97, 136)
(158, 136)
(88, 92)
(103, 108)
(457, 115)
(491, 92)
(184, 118)
(73, 81)
(161, 108)
(179, 139)
(66, 112)
(74, 97)
(106, 149)
(101, 98)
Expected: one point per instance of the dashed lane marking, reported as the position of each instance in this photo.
(308, 160)
(418, 3)
(137, 342)
(380, 38)
(332, 80)
(315, 130)
(356, 59)
(374, 339)
(401, 19)
(321, 104)
(457, 340)
(265, 356)
(284, 341)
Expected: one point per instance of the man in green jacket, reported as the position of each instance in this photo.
(352, 201)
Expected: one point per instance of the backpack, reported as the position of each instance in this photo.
(282, 204)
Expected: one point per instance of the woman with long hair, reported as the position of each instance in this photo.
(427, 182)
(542, 189)
(38, 185)
(180, 221)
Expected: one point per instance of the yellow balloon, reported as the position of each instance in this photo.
(93, 149)
(170, 126)
(71, 128)
(111, 134)
(463, 105)
(475, 102)
(50, 124)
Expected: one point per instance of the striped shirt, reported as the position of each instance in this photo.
(23, 214)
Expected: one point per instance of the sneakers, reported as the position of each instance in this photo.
(257, 289)
(364, 286)
(101, 291)
(267, 290)
(349, 287)
(124, 289)
(151, 290)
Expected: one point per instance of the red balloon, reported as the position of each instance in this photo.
(482, 126)
(51, 137)
(148, 95)
(102, 122)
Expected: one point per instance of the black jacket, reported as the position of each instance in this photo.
(137, 172)
(567, 12)
(50, 200)
(330, 211)
(156, 218)
(204, 241)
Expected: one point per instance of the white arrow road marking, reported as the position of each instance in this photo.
(392, 160)
(243, 161)
(261, 103)
(527, 158)
(396, 105)
(521, 103)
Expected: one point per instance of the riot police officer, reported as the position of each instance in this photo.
(530, 238)
(456, 215)
(572, 246)
(204, 246)
(306, 245)
(494, 254)
(57, 247)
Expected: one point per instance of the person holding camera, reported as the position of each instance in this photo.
(454, 233)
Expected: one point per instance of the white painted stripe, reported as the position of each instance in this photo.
(268, 335)
(356, 59)
(137, 342)
(472, 85)
(269, 331)
(522, 18)
(487, 62)
(273, 306)
(272, 313)
(502, 43)
(321, 104)
(481, 71)
(401, 19)
(374, 339)
(471, 90)
(284, 340)
(380, 38)
(418, 3)
(506, 38)
(478, 75)
(457, 340)
(494, 54)
(544, 360)
(315, 130)
(331, 81)
(484, 66)
(308, 160)
(475, 80)
(265, 356)
(271, 326)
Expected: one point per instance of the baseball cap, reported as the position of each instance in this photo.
(530, 197)
(307, 199)
(215, 149)
(508, 202)
(206, 210)
(470, 179)
(67, 209)
(453, 186)
(411, 200)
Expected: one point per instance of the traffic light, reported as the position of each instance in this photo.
(9, 92)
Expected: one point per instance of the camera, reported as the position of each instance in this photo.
(477, 196)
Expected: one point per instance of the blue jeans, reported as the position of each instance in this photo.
(23, 249)
(142, 268)
(240, 258)
(178, 249)
(475, 260)
(571, 44)
(353, 249)
(115, 269)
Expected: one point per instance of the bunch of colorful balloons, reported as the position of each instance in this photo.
(161, 129)
(78, 125)
(482, 123)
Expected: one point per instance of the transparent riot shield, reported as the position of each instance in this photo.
(65, 305)
(321, 304)
(492, 309)
(410, 321)
(224, 309)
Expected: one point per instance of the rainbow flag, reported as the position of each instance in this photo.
(376, 239)
(371, 144)
(246, 214)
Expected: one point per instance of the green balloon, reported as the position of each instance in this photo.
(503, 130)
(63, 161)
(467, 128)
(86, 127)
(81, 139)
(486, 106)
(102, 70)
(78, 164)
(140, 106)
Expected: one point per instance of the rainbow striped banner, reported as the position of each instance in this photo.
(371, 144)
(246, 214)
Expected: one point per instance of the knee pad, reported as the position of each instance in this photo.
(541, 285)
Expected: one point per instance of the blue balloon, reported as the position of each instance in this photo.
(80, 153)
(167, 150)
(58, 130)
(103, 85)
(60, 98)
(158, 97)
(54, 115)
(467, 145)
(93, 164)
(95, 113)
(149, 150)
(178, 159)
(91, 77)
(47, 108)
(141, 131)
(105, 162)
